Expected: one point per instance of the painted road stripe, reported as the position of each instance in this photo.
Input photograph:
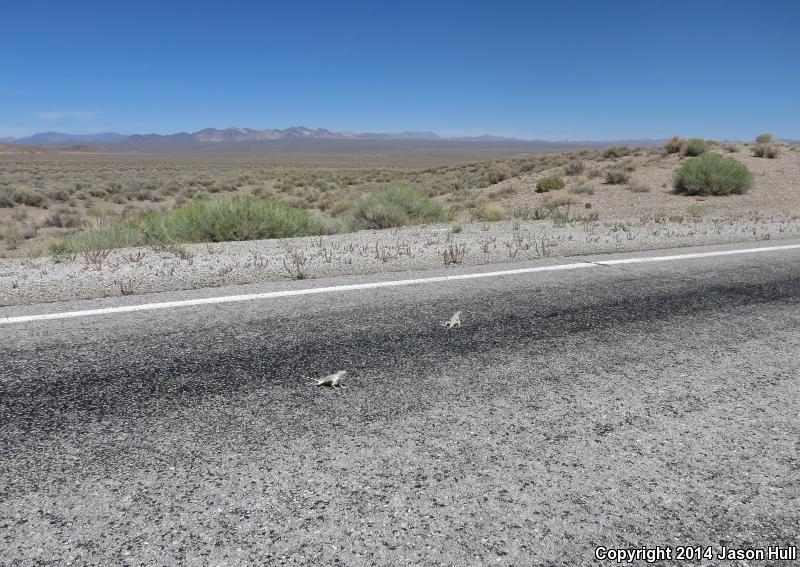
(696, 255)
(378, 285)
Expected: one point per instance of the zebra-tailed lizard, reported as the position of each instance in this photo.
(331, 380)
(455, 321)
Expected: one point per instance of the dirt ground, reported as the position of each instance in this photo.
(776, 189)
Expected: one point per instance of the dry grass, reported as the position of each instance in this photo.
(490, 212)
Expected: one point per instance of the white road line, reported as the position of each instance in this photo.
(285, 293)
(697, 255)
(377, 285)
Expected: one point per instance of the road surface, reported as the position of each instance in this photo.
(618, 405)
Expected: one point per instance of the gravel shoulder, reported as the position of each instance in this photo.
(149, 270)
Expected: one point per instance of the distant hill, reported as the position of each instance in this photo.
(296, 138)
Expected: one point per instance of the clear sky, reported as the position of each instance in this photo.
(600, 69)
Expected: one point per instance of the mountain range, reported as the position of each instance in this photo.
(214, 135)
(296, 138)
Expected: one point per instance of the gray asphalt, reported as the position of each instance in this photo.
(626, 406)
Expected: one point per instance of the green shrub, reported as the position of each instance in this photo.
(374, 214)
(616, 152)
(764, 138)
(235, 218)
(550, 183)
(616, 175)
(396, 205)
(204, 220)
(330, 225)
(104, 236)
(712, 174)
(673, 146)
(772, 151)
(695, 147)
(56, 247)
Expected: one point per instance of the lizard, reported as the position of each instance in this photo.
(455, 321)
(331, 380)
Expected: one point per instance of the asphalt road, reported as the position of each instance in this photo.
(621, 406)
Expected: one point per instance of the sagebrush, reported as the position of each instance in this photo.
(695, 147)
(550, 183)
(616, 175)
(396, 205)
(204, 220)
(712, 174)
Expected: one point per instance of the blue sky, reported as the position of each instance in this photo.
(545, 70)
